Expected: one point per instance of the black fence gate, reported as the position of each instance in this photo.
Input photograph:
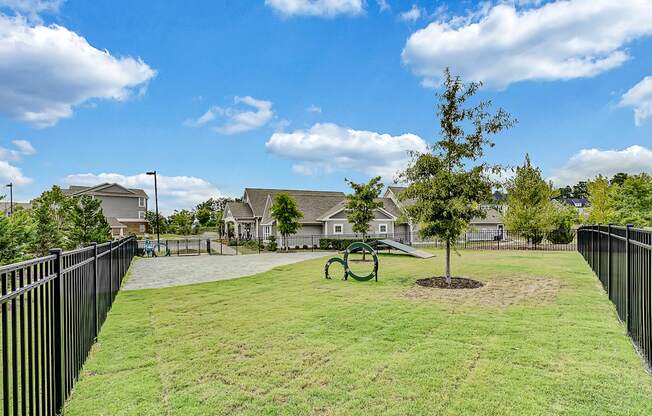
(621, 257)
(52, 310)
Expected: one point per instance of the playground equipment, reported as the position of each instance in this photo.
(391, 244)
(150, 249)
(353, 247)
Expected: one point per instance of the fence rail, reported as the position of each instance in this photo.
(52, 310)
(621, 257)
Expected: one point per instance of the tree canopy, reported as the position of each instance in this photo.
(285, 211)
(360, 204)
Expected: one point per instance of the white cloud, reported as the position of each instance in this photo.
(174, 192)
(313, 109)
(328, 147)
(640, 98)
(411, 15)
(383, 5)
(588, 163)
(45, 71)
(237, 119)
(9, 172)
(324, 8)
(504, 44)
(32, 8)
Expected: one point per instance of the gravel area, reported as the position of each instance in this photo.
(151, 273)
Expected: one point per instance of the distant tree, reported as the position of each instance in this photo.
(563, 218)
(203, 215)
(180, 222)
(580, 190)
(447, 189)
(51, 213)
(360, 205)
(16, 237)
(213, 204)
(600, 209)
(88, 223)
(632, 201)
(150, 217)
(566, 192)
(287, 215)
(619, 178)
(529, 206)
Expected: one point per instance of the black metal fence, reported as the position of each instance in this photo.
(52, 310)
(621, 257)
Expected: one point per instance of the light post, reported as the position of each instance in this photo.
(11, 197)
(158, 231)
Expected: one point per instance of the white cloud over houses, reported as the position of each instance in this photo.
(45, 71)
(174, 192)
(8, 157)
(247, 114)
(323, 8)
(640, 98)
(504, 44)
(32, 8)
(588, 163)
(329, 147)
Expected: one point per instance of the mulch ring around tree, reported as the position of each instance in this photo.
(439, 282)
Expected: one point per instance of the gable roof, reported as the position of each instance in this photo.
(576, 202)
(107, 189)
(239, 209)
(388, 206)
(492, 216)
(311, 204)
(307, 200)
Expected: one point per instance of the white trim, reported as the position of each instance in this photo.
(141, 202)
(335, 228)
(384, 224)
(141, 215)
(142, 228)
(389, 214)
(131, 220)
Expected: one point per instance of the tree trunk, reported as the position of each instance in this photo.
(448, 261)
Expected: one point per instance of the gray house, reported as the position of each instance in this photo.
(124, 208)
(323, 214)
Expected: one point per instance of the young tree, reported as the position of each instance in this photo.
(580, 190)
(88, 223)
(150, 217)
(619, 178)
(600, 210)
(51, 213)
(203, 215)
(529, 207)
(360, 205)
(632, 202)
(448, 190)
(180, 222)
(285, 211)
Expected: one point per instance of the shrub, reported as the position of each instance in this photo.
(272, 245)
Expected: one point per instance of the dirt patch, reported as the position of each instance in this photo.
(500, 291)
(439, 282)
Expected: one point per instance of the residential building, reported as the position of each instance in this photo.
(124, 208)
(323, 214)
(579, 203)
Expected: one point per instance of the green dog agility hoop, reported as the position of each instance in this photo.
(345, 263)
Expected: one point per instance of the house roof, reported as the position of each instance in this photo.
(239, 209)
(388, 205)
(492, 216)
(257, 198)
(114, 223)
(581, 202)
(107, 189)
(312, 204)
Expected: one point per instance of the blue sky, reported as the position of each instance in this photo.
(219, 95)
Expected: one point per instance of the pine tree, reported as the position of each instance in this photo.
(447, 188)
(88, 222)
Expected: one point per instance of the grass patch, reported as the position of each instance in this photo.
(540, 338)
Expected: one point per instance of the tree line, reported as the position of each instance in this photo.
(55, 220)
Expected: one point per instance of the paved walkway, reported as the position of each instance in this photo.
(150, 273)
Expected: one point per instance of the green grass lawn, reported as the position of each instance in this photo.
(540, 338)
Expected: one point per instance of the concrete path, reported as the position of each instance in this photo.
(150, 273)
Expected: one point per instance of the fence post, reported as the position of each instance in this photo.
(599, 251)
(259, 242)
(96, 321)
(609, 261)
(627, 274)
(208, 245)
(58, 341)
(111, 271)
(312, 242)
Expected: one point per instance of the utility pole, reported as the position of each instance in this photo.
(158, 230)
(10, 185)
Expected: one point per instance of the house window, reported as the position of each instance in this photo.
(267, 231)
(142, 228)
(141, 215)
(382, 228)
(338, 229)
(141, 202)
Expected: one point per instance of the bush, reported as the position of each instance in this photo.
(272, 245)
(562, 235)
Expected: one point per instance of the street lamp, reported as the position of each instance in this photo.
(158, 231)
(11, 197)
